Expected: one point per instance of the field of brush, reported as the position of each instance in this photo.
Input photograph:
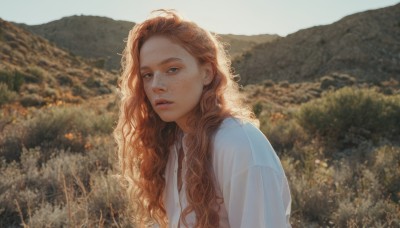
(338, 140)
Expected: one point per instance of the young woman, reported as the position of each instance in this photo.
(189, 150)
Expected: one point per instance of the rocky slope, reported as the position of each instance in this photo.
(36, 68)
(365, 45)
(103, 38)
(92, 37)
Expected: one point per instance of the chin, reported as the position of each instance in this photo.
(166, 118)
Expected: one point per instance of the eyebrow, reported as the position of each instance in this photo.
(165, 61)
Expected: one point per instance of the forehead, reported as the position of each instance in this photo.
(158, 48)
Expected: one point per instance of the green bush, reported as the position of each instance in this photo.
(350, 116)
(13, 80)
(385, 165)
(32, 100)
(257, 109)
(93, 82)
(58, 128)
(283, 134)
(6, 96)
(65, 128)
(10, 148)
(35, 75)
(98, 63)
(81, 91)
(268, 83)
(284, 84)
(65, 80)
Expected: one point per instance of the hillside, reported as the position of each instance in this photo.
(102, 38)
(338, 137)
(239, 44)
(39, 73)
(365, 45)
(87, 36)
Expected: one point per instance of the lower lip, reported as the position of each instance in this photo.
(163, 106)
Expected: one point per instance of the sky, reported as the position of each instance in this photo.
(245, 17)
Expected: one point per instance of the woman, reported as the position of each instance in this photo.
(189, 152)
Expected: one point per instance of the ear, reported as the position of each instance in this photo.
(208, 73)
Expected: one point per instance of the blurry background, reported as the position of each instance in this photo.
(322, 77)
(236, 16)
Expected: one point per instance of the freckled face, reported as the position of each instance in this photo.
(173, 79)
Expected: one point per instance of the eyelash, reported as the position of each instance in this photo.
(146, 75)
(174, 70)
(170, 70)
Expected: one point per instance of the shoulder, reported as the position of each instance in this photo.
(239, 145)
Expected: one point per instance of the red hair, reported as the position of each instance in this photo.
(144, 139)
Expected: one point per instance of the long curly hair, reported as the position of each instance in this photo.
(144, 140)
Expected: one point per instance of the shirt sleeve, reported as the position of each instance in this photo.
(257, 197)
(251, 178)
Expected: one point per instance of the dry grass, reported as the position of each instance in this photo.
(58, 184)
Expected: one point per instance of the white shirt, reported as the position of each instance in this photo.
(249, 177)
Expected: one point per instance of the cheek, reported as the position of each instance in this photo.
(190, 88)
(147, 90)
(192, 92)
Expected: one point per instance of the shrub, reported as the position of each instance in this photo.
(268, 83)
(80, 90)
(58, 128)
(257, 109)
(385, 165)
(65, 169)
(106, 200)
(65, 128)
(104, 123)
(98, 63)
(33, 88)
(65, 80)
(283, 134)
(6, 96)
(13, 81)
(349, 116)
(14, 195)
(313, 196)
(336, 81)
(284, 84)
(366, 213)
(32, 100)
(11, 148)
(49, 215)
(367, 189)
(67, 190)
(93, 82)
(35, 75)
(51, 93)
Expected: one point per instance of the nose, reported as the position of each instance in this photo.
(158, 83)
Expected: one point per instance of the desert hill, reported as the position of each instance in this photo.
(42, 73)
(87, 36)
(239, 44)
(103, 38)
(365, 45)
